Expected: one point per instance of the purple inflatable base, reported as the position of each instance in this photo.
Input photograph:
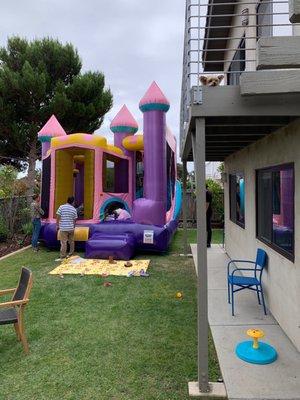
(107, 232)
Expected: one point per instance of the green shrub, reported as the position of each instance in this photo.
(3, 231)
(27, 228)
(23, 214)
(217, 199)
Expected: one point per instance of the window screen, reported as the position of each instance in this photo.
(46, 177)
(115, 174)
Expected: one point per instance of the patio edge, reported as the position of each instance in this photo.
(15, 252)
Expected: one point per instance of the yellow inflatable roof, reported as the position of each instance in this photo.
(133, 142)
(84, 139)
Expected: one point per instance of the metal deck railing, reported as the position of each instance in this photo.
(220, 39)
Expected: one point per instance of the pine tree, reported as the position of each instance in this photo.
(38, 79)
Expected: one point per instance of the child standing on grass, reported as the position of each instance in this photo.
(36, 214)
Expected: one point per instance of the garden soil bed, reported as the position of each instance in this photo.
(14, 244)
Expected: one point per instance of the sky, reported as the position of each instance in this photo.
(133, 42)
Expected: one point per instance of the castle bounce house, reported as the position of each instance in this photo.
(137, 174)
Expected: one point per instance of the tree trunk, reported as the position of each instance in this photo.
(32, 157)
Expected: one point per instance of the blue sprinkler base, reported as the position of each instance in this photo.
(265, 354)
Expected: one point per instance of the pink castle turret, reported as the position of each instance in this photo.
(52, 128)
(124, 125)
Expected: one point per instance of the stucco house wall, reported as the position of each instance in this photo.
(282, 277)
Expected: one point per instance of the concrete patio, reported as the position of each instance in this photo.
(280, 380)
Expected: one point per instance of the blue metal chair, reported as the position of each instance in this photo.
(247, 282)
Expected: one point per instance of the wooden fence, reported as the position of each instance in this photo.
(217, 207)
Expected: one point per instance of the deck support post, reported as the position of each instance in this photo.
(198, 144)
(184, 207)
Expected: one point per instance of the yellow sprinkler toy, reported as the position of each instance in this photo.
(179, 295)
(256, 352)
(255, 334)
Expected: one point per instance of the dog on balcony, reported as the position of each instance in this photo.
(211, 80)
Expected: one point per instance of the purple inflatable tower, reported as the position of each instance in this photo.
(152, 208)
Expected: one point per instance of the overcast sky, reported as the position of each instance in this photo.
(133, 42)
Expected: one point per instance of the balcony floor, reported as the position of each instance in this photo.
(233, 121)
(280, 380)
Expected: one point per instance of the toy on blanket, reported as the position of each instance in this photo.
(128, 264)
(141, 273)
(111, 260)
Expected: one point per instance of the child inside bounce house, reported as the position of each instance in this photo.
(118, 213)
(122, 214)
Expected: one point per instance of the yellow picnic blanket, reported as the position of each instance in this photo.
(79, 265)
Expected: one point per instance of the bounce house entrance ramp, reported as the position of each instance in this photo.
(101, 245)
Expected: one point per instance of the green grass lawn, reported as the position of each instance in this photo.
(131, 341)
(217, 237)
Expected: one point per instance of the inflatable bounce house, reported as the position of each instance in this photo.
(136, 174)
